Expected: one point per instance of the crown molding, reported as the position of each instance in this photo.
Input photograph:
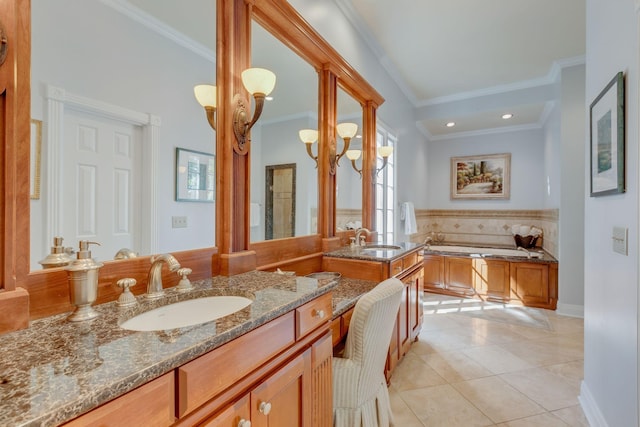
(492, 131)
(142, 17)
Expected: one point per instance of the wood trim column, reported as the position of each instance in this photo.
(327, 108)
(233, 170)
(15, 113)
(369, 165)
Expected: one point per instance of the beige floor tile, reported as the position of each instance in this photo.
(413, 372)
(574, 416)
(444, 406)
(497, 359)
(498, 400)
(449, 340)
(402, 414)
(566, 325)
(543, 353)
(542, 420)
(456, 366)
(543, 387)
(572, 372)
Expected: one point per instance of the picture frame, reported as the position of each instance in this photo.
(607, 143)
(34, 158)
(481, 177)
(195, 176)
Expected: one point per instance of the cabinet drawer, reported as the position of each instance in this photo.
(151, 404)
(313, 314)
(409, 260)
(395, 268)
(232, 415)
(205, 377)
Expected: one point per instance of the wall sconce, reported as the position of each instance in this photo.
(206, 96)
(259, 83)
(384, 152)
(309, 136)
(345, 130)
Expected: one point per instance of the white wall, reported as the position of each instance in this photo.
(91, 50)
(528, 181)
(569, 165)
(609, 392)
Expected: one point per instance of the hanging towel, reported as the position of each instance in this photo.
(408, 215)
(254, 218)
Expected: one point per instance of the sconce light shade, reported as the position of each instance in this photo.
(308, 136)
(258, 80)
(385, 151)
(353, 154)
(347, 130)
(206, 95)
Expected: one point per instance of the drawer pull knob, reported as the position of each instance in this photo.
(320, 314)
(265, 408)
(244, 423)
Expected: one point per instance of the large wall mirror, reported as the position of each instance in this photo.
(284, 179)
(349, 181)
(112, 84)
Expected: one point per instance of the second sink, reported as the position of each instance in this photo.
(186, 313)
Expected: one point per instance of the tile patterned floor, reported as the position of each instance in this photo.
(483, 364)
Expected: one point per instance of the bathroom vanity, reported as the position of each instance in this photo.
(376, 263)
(262, 364)
(532, 282)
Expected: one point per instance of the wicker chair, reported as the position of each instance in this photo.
(360, 395)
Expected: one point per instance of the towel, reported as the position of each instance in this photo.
(408, 215)
(254, 215)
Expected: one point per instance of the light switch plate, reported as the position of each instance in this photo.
(619, 238)
(179, 221)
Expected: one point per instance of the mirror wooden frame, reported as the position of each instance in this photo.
(26, 295)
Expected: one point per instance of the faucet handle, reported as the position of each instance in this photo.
(126, 298)
(185, 283)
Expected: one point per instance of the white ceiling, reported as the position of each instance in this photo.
(466, 61)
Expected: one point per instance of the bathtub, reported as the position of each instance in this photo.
(482, 252)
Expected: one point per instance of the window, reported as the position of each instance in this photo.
(385, 189)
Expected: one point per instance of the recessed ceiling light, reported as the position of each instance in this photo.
(507, 116)
(451, 124)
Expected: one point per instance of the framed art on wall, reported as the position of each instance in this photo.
(481, 177)
(195, 176)
(606, 124)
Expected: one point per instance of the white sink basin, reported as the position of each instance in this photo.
(186, 313)
(380, 247)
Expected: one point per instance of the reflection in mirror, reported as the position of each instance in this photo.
(349, 182)
(275, 142)
(112, 82)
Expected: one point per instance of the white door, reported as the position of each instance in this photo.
(101, 183)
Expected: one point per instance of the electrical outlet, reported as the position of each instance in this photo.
(179, 221)
(619, 238)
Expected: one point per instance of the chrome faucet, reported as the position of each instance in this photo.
(154, 281)
(359, 238)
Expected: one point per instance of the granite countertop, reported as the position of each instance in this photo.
(56, 370)
(373, 253)
(346, 294)
(499, 252)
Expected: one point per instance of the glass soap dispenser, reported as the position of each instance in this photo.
(83, 283)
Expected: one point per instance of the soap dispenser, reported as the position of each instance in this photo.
(58, 256)
(83, 283)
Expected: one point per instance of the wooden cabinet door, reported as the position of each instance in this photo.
(236, 415)
(530, 283)
(322, 382)
(492, 279)
(458, 275)
(284, 399)
(416, 311)
(404, 330)
(433, 272)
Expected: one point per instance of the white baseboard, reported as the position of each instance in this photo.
(590, 408)
(570, 310)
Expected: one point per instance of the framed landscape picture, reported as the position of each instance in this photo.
(607, 139)
(481, 177)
